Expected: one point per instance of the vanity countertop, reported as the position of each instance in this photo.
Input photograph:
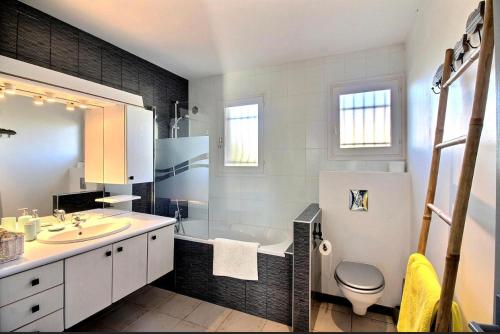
(38, 254)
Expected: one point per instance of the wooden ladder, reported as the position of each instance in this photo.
(457, 221)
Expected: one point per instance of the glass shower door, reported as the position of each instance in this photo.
(181, 183)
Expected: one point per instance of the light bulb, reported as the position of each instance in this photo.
(70, 106)
(10, 89)
(38, 100)
(83, 105)
(49, 97)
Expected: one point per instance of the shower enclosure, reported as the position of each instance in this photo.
(182, 176)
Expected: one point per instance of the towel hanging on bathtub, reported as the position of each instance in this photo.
(235, 259)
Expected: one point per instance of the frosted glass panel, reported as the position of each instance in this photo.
(181, 183)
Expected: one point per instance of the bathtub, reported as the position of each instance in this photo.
(271, 241)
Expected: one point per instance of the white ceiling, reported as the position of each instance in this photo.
(197, 38)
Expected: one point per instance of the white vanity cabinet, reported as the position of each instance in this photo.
(88, 283)
(160, 245)
(130, 258)
(125, 155)
(98, 278)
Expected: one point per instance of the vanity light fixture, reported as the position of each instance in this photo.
(38, 100)
(83, 105)
(49, 97)
(10, 89)
(70, 106)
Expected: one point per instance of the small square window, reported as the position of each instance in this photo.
(365, 119)
(241, 132)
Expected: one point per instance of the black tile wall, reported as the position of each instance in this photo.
(269, 297)
(303, 270)
(89, 57)
(78, 201)
(32, 36)
(8, 28)
(64, 48)
(111, 66)
(301, 292)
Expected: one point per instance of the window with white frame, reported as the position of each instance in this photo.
(366, 120)
(241, 144)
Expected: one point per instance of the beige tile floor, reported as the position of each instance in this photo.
(156, 310)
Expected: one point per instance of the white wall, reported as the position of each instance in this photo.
(297, 98)
(35, 163)
(438, 26)
(379, 236)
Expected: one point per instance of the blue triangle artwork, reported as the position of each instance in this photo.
(358, 200)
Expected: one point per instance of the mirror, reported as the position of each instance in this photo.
(42, 165)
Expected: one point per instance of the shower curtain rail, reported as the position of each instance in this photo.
(484, 56)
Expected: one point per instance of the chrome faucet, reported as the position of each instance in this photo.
(78, 220)
(60, 215)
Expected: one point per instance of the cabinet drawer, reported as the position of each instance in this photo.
(54, 322)
(30, 309)
(25, 284)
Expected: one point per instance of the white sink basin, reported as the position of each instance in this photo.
(86, 231)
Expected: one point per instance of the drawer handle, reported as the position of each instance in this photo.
(108, 253)
(35, 308)
(153, 237)
(119, 249)
(35, 282)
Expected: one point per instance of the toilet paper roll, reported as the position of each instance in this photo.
(325, 248)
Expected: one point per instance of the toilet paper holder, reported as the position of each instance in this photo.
(317, 235)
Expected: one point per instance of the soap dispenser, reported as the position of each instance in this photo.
(36, 220)
(23, 219)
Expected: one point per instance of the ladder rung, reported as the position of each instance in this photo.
(452, 142)
(440, 213)
(474, 56)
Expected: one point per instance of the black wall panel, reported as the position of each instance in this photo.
(89, 57)
(111, 66)
(33, 40)
(64, 48)
(8, 28)
(130, 74)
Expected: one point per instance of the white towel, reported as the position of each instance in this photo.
(235, 259)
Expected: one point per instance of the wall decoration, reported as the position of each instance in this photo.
(358, 200)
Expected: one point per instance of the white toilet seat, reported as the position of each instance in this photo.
(362, 291)
(362, 284)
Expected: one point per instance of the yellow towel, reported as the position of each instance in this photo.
(420, 298)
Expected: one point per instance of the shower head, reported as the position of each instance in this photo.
(194, 110)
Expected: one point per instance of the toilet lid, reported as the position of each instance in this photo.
(359, 275)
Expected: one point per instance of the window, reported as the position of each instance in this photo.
(241, 136)
(366, 121)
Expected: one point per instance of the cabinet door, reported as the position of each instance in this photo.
(87, 284)
(140, 139)
(129, 266)
(160, 252)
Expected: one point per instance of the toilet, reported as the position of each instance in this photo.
(362, 284)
